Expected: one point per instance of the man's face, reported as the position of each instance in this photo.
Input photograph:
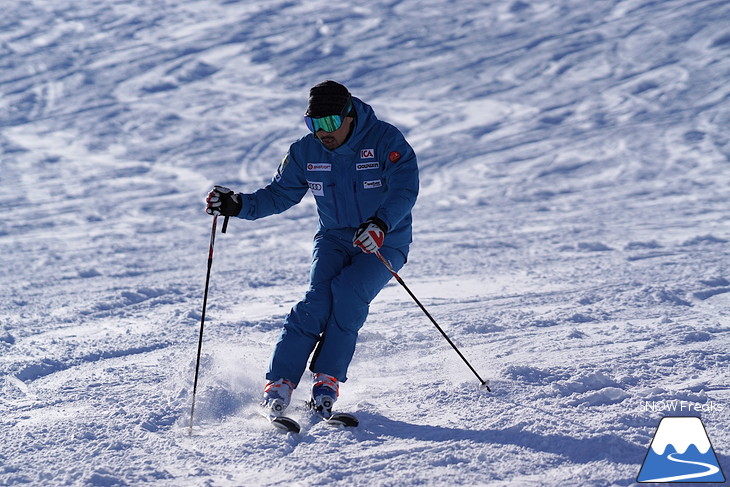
(332, 140)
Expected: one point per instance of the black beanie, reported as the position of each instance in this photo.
(327, 98)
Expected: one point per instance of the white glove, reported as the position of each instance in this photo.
(370, 235)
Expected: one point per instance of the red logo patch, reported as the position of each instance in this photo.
(394, 156)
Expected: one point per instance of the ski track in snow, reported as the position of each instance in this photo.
(571, 236)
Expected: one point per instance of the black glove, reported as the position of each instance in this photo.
(370, 235)
(222, 201)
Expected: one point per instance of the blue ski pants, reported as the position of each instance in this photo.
(343, 281)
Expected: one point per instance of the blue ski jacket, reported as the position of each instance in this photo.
(374, 173)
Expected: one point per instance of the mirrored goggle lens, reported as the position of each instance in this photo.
(330, 123)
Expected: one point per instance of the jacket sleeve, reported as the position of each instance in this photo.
(402, 179)
(285, 190)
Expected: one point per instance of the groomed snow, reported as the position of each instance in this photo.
(571, 237)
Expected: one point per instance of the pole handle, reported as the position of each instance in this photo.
(225, 224)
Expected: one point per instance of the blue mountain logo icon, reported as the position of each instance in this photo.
(681, 452)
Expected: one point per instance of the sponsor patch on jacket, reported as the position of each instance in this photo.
(367, 154)
(364, 166)
(394, 156)
(375, 183)
(280, 169)
(319, 166)
(316, 187)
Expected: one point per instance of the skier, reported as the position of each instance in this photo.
(364, 178)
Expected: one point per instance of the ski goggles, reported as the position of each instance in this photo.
(328, 123)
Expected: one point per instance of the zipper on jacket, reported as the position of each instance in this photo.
(357, 202)
(334, 202)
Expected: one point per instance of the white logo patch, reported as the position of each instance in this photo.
(363, 166)
(376, 183)
(367, 154)
(316, 187)
(319, 166)
(280, 169)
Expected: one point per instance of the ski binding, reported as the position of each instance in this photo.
(346, 420)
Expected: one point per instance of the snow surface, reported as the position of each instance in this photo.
(571, 236)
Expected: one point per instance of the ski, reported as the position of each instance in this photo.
(338, 419)
(289, 425)
(346, 420)
(281, 423)
(285, 424)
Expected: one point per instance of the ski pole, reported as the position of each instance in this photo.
(202, 316)
(443, 333)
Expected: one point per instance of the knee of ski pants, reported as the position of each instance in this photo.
(355, 288)
(309, 316)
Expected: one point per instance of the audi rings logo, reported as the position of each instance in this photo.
(316, 187)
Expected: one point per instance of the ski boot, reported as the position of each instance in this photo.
(325, 390)
(277, 395)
